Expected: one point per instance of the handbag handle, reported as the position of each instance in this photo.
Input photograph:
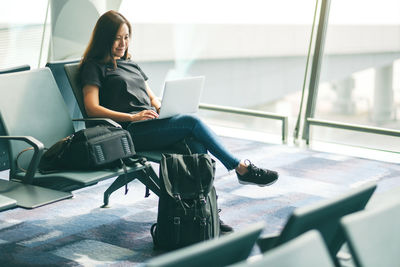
(17, 158)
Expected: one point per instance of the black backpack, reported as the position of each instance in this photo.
(187, 206)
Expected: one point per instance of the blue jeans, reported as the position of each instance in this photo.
(163, 133)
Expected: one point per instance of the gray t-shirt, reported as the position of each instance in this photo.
(122, 89)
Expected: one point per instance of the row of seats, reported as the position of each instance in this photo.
(4, 165)
(36, 109)
(312, 236)
(6, 202)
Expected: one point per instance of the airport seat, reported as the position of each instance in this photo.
(305, 250)
(33, 114)
(57, 68)
(72, 71)
(324, 217)
(15, 69)
(373, 236)
(3, 148)
(221, 251)
(5, 202)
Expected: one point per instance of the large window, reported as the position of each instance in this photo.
(21, 33)
(360, 82)
(253, 53)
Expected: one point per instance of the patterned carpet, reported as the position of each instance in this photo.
(77, 232)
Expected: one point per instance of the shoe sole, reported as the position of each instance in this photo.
(260, 185)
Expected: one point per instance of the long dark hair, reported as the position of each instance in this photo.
(103, 37)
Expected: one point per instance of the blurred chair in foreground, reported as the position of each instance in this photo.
(373, 236)
(222, 251)
(324, 217)
(304, 251)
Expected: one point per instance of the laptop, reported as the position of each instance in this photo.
(181, 96)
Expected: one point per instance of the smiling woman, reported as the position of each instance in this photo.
(105, 49)
(121, 41)
(115, 87)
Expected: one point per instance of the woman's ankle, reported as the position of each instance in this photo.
(241, 168)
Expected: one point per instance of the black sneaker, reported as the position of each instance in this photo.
(224, 228)
(258, 176)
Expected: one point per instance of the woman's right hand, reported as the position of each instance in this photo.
(145, 115)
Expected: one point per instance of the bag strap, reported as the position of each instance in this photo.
(188, 150)
(202, 200)
(175, 186)
(197, 167)
(178, 200)
(19, 154)
(153, 232)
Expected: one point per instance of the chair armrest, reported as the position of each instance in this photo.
(108, 121)
(38, 149)
(267, 242)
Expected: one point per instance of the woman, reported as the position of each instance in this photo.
(115, 87)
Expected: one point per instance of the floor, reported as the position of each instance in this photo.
(77, 232)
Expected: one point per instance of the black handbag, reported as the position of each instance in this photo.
(90, 148)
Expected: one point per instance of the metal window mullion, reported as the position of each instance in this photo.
(316, 67)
